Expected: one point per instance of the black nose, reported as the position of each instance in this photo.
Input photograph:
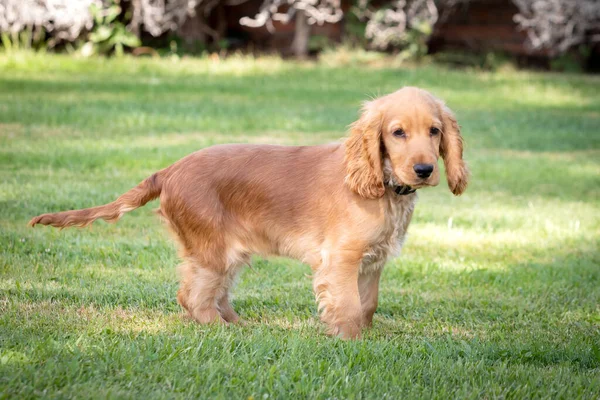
(423, 170)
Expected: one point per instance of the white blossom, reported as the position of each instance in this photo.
(558, 25)
(63, 19)
(317, 12)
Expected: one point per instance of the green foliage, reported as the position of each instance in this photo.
(414, 43)
(318, 43)
(354, 29)
(572, 61)
(109, 35)
(28, 39)
(7, 43)
(489, 61)
(495, 294)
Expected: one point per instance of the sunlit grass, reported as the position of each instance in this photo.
(496, 293)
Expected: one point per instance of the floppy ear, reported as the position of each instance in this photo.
(451, 149)
(364, 170)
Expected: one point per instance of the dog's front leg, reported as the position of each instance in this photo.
(336, 288)
(368, 286)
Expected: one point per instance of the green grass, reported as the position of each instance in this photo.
(496, 294)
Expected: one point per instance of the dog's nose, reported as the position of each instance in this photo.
(423, 170)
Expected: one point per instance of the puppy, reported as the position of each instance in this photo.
(342, 208)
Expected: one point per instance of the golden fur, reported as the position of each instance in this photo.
(331, 206)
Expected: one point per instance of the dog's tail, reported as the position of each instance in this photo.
(147, 190)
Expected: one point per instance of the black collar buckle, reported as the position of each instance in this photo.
(404, 190)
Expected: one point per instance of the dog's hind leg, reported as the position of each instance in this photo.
(205, 285)
(236, 256)
(226, 310)
(223, 303)
(200, 290)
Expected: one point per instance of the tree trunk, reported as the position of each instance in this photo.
(136, 19)
(193, 32)
(301, 35)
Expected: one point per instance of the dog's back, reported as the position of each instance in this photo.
(258, 195)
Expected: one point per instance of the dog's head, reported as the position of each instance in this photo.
(398, 139)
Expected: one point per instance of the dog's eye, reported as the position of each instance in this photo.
(399, 133)
(434, 131)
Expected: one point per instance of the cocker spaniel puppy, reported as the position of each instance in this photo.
(342, 208)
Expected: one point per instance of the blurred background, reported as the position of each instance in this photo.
(496, 294)
(558, 35)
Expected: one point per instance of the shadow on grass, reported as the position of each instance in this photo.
(270, 102)
(531, 324)
(537, 313)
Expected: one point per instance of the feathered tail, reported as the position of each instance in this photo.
(148, 190)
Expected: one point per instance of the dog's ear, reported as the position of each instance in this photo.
(364, 169)
(451, 150)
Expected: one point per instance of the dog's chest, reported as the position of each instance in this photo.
(389, 242)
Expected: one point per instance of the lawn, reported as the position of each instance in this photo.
(496, 294)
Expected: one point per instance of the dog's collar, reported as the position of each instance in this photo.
(403, 190)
